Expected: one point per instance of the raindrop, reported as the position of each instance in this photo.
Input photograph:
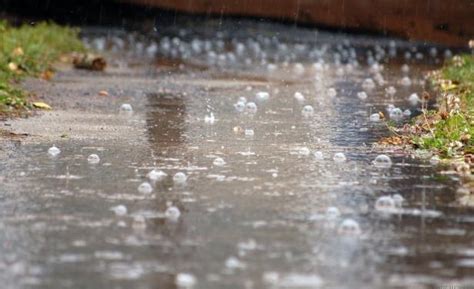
(339, 157)
(180, 178)
(54, 151)
(349, 227)
(145, 188)
(307, 111)
(382, 161)
(185, 281)
(218, 162)
(93, 159)
(119, 210)
(172, 213)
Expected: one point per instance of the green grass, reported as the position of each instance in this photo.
(30, 50)
(452, 132)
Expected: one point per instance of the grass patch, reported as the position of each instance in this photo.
(30, 50)
(450, 130)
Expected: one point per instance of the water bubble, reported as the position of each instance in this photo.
(398, 199)
(349, 227)
(396, 114)
(172, 213)
(54, 151)
(299, 97)
(339, 157)
(407, 56)
(251, 107)
(362, 95)
(318, 155)
(218, 162)
(303, 151)
(332, 92)
(234, 263)
(185, 281)
(249, 132)
(271, 67)
(298, 68)
(239, 106)
(405, 68)
(180, 178)
(390, 91)
(139, 222)
(119, 210)
(390, 108)
(332, 213)
(368, 84)
(156, 175)
(407, 113)
(382, 161)
(209, 119)
(385, 204)
(448, 53)
(145, 188)
(434, 160)
(414, 99)
(126, 107)
(318, 66)
(262, 96)
(307, 111)
(375, 117)
(405, 81)
(93, 159)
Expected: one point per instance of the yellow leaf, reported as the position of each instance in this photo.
(448, 86)
(41, 105)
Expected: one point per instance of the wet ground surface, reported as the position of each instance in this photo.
(266, 203)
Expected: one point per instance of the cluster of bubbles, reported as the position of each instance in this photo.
(273, 55)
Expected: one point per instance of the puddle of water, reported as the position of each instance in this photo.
(273, 214)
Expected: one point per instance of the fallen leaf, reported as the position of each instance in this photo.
(18, 52)
(47, 74)
(41, 105)
(13, 66)
(103, 93)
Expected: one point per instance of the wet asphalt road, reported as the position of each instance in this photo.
(273, 215)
